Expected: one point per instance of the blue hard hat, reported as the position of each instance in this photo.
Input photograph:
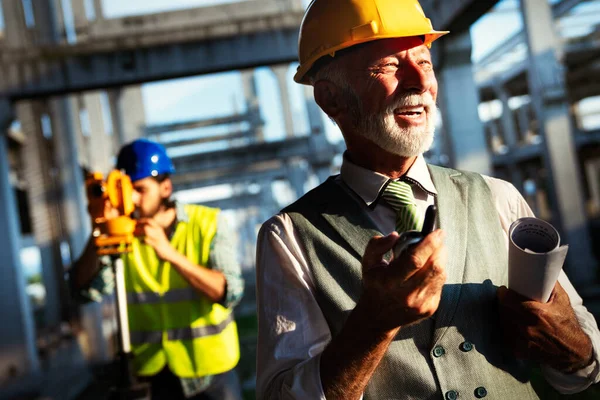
(143, 158)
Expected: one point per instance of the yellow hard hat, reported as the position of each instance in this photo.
(332, 25)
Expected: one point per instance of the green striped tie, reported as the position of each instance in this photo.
(400, 197)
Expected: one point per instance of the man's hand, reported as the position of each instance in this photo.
(102, 209)
(546, 333)
(155, 236)
(405, 290)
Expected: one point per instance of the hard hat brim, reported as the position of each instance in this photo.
(302, 75)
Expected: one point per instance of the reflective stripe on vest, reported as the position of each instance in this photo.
(187, 333)
(171, 296)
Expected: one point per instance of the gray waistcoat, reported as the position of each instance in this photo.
(430, 359)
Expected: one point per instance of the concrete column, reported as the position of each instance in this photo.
(267, 200)
(127, 113)
(523, 119)
(252, 101)
(80, 19)
(509, 134)
(70, 179)
(48, 21)
(18, 352)
(508, 126)
(315, 115)
(592, 169)
(461, 120)
(321, 155)
(77, 105)
(100, 144)
(16, 33)
(281, 73)
(547, 88)
(297, 175)
(98, 11)
(44, 205)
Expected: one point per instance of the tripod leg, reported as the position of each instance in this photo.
(121, 299)
(127, 388)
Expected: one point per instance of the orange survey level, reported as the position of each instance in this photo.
(113, 234)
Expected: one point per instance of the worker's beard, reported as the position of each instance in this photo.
(382, 128)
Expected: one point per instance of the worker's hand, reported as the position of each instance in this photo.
(405, 290)
(101, 210)
(154, 235)
(547, 333)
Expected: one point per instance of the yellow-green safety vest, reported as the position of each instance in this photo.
(170, 323)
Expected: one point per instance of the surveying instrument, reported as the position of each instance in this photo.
(113, 237)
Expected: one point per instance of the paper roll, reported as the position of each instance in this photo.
(535, 258)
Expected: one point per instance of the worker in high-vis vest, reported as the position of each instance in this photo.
(182, 279)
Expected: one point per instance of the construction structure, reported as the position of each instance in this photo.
(70, 96)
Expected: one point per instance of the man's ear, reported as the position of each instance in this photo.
(166, 188)
(328, 97)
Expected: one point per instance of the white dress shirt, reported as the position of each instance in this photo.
(293, 332)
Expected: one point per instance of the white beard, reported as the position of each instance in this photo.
(381, 128)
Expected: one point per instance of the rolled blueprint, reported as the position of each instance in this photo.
(535, 258)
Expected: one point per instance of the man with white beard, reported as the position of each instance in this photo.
(339, 317)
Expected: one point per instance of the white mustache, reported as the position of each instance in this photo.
(412, 100)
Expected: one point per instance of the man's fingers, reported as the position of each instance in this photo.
(376, 249)
(418, 256)
(432, 276)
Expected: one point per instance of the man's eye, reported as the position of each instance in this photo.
(426, 64)
(386, 68)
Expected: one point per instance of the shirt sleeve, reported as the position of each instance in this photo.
(292, 331)
(512, 206)
(102, 284)
(223, 258)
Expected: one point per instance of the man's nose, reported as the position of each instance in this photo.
(135, 197)
(416, 79)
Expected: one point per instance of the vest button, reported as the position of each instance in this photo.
(480, 392)
(451, 395)
(466, 346)
(438, 351)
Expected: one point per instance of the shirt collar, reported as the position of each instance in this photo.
(368, 184)
(180, 212)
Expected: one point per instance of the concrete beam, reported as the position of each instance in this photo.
(455, 15)
(252, 116)
(55, 70)
(248, 134)
(196, 181)
(564, 7)
(241, 157)
(236, 202)
(213, 22)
